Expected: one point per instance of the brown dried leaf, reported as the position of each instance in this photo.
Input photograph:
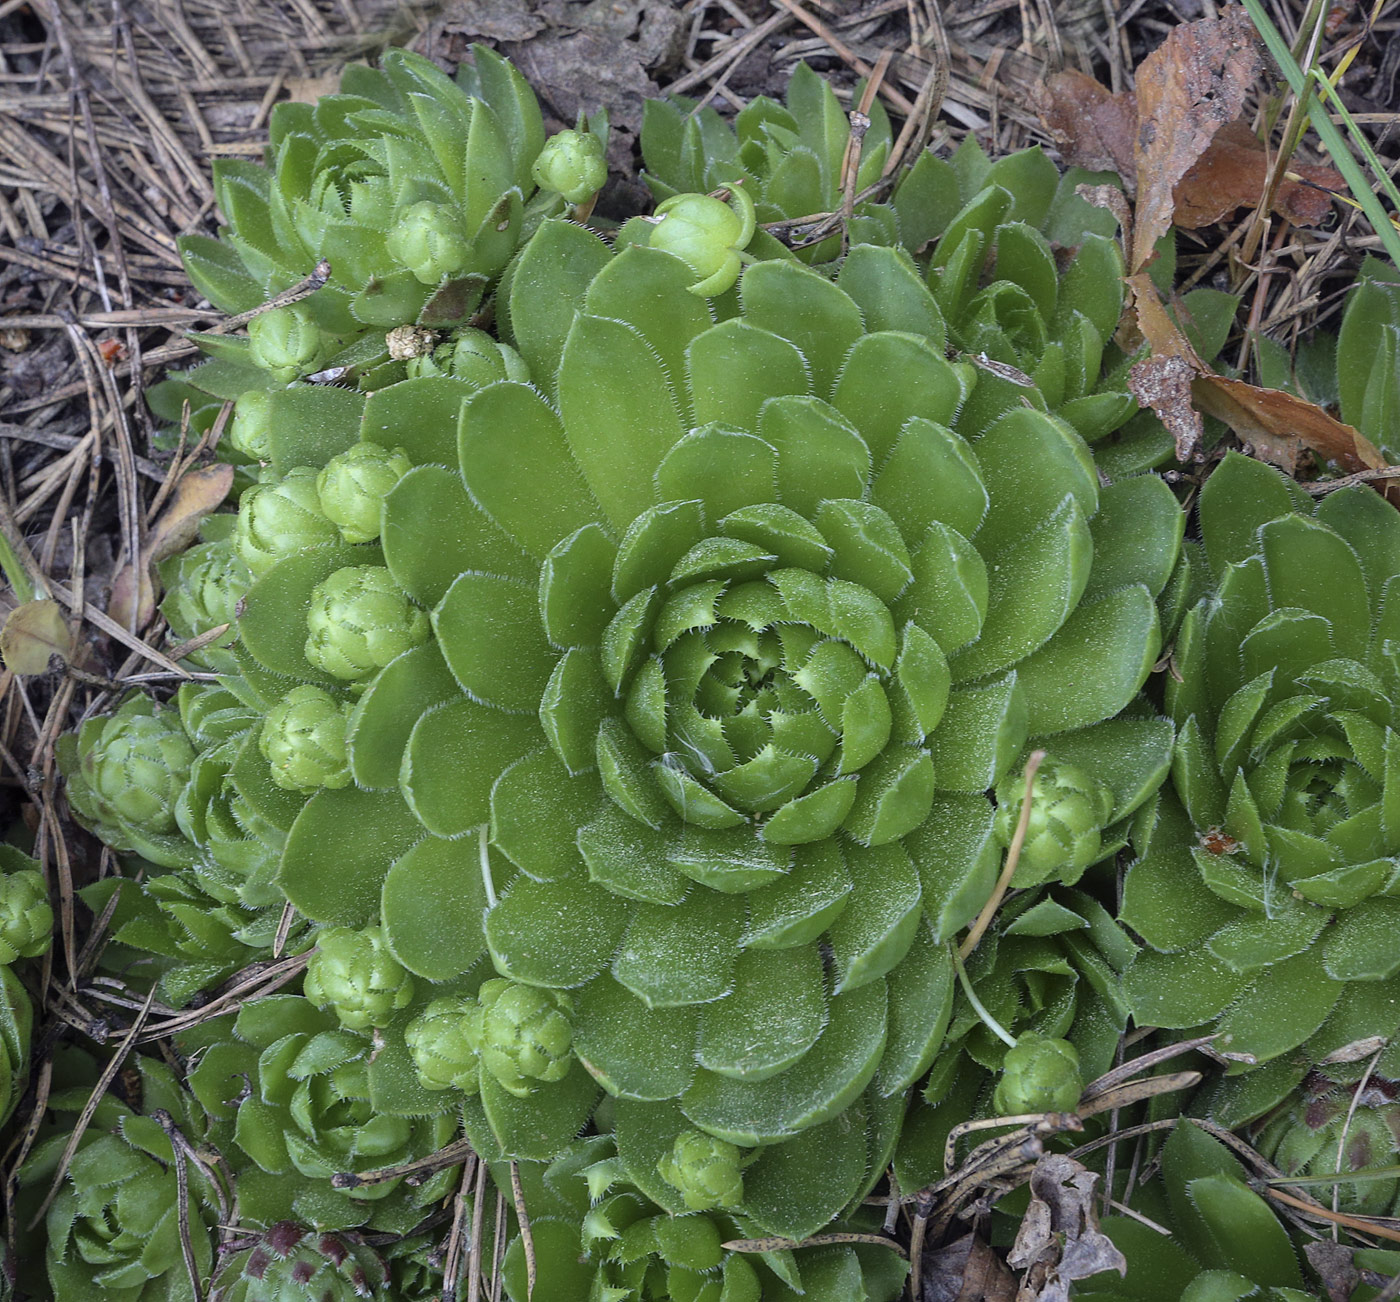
(1334, 1267)
(33, 634)
(1059, 1240)
(198, 494)
(1093, 127)
(1187, 89)
(1232, 174)
(966, 1270)
(1276, 422)
(1178, 386)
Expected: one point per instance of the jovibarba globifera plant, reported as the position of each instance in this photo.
(1267, 904)
(699, 691)
(627, 689)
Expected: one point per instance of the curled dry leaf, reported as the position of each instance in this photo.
(1232, 174)
(966, 1270)
(1187, 89)
(1059, 1240)
(1178, 386)
(1093, 127)
(1177, 140)
(198, 494)
(33, 634)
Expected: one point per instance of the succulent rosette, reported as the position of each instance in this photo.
(220, 909)
(291, 1263)
(596, 1234)
(26, 916)
(731, 633)
(304, 1099)
(353, 974)
(412, 185)
(1332, 1129)
(125, 772)
(1268, 902)
(203, 587)
(114, 1227)
(1225, 1243)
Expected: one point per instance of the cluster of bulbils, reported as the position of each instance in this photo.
(637, 698)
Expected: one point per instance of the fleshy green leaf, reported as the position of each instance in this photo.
(432, 906)
(338, 852)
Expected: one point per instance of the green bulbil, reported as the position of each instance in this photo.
(789, 157)
(26, 917)
(354, 974)
(431, 240)
(1273, 896)
(471, 354)
(250, 429)
(287, 342)
(132, 766)
(708, 1172)
(442, 1040)
(113, 1229)
(353, 485)
(359, 620)
(1333, 1129)
(204, 586)
(707, 235)
(1039, 1075)
(525, 1035)
(281, 516)
(571, 164)
(1064, 836)
(303, 740)
(292, 1263)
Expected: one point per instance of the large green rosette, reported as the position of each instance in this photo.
(732, 632)
(1268, 894)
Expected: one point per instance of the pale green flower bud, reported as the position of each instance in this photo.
(287, 342)
(353, 485)
(360, 619)
(354, 974)
(205, 589)
(706, 234)
(572, 164)
(442, 1041)
(250, 429)
(1068, 810)
(280, 517)
(431, 241)
(303, 740)
(525, 1036)
(707, 1171)
(138, 768)
(26, 917)
(1039, 1075)
(473, 355)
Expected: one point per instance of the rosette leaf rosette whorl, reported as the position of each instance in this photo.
(1269, 904)
(732, 633)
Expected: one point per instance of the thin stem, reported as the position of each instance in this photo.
(988, 1020)
(1013, 857)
